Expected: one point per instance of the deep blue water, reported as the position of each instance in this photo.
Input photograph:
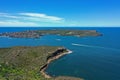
(94, 58)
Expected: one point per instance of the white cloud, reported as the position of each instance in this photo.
(6, 15)
(17, 23)
(28, 19)
(43, 16)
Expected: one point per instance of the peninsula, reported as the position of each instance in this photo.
(29, 63)
(39, 33)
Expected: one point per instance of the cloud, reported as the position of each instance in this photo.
(17, 23)
(43, 16)
(28, 19)
(6, 15)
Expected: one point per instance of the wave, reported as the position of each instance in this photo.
(84, 45)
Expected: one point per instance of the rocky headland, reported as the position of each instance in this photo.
(29, 63)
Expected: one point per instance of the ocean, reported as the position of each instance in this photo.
(93, 58)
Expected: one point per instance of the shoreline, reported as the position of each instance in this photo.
(49, 61)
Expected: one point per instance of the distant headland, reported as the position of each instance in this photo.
(39, 33)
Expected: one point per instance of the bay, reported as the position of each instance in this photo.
(93, 58)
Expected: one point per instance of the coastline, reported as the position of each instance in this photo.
(49, 61)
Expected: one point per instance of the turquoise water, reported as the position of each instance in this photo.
(93, 58)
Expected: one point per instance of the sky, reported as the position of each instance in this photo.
(50, 13)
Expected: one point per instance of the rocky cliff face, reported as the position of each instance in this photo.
(57, 52)
(55, 55)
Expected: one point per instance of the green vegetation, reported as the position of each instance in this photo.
(24, 63)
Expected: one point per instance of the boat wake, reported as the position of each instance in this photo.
(84, 45)
(58, 39)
